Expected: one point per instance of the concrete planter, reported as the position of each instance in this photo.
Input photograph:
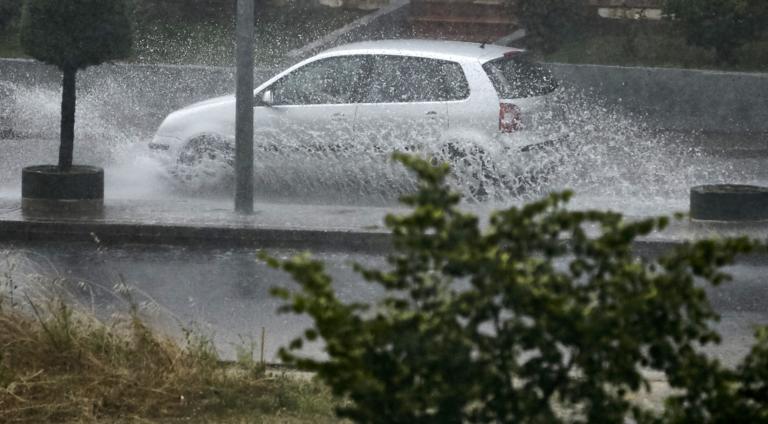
(729, 202)
(47, 190)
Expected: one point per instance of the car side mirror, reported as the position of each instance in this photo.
(267, 98)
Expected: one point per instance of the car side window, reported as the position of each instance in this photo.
(327, 81)
(401, 79)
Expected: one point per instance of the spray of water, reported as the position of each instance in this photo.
(610, 158)
(614, 160)
(31, 125)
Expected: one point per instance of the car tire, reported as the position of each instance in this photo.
(204, 161)
(531, 182)
(206, 147)
(472, 161)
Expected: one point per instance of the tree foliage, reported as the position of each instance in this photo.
(548, 23)
(723, 25)
(544, 316)
(76, 33)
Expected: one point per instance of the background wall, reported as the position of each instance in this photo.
(676, 99)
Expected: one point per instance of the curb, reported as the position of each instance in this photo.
(327, 240)
(111, 233)
(340, 240)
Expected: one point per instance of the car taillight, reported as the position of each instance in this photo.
(509, 118)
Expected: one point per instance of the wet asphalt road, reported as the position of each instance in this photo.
(224, 293)
(132, 171)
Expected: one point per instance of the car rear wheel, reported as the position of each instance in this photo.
(471, 168)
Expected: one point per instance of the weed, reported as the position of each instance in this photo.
(59, 364)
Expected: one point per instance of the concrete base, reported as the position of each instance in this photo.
(47, 190)
(729, 203)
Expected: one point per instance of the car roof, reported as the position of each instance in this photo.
(435, 49)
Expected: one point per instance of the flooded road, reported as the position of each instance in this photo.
(637, 177)
(611, 160)
(224, 293)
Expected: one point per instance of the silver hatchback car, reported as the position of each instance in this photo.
(464, 102)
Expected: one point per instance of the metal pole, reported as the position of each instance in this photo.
(263, 340)
(244, 106)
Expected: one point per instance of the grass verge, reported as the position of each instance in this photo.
(61, 365)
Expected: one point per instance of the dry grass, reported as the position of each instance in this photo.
(59, 365)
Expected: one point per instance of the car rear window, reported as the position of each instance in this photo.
(516, 77)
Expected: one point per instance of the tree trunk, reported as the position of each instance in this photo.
(68, 99)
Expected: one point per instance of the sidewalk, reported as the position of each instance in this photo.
(206, 222)
(213, 223)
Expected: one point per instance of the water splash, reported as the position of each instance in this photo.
(610, 158)
(614, 160)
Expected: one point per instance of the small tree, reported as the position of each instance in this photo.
(723, 25)
(544, 317)
(72, 35)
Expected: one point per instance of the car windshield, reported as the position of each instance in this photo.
(516, 77)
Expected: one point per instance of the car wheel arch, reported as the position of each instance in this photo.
(203, 142)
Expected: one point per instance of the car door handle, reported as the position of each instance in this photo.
(431, 113)
(338, 116)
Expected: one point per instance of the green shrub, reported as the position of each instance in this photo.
(722, 25)
(548, 23)
(514, 324)
(72, 35)
(9, 11)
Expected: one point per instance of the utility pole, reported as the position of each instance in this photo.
(244, 106)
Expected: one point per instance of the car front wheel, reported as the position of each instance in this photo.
(204, 160)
